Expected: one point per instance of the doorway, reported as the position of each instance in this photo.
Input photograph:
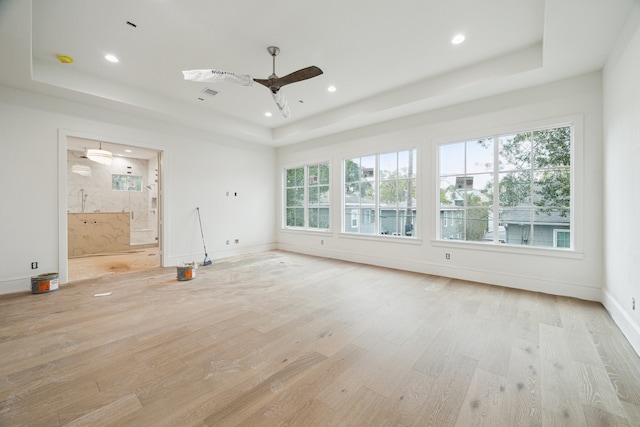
(112, 208)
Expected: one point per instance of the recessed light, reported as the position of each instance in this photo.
(457, 39)
(111, 58)
(331, 88)
(268, 114)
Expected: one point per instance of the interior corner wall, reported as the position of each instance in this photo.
(622, 160)
(198, 170)
(550, 272)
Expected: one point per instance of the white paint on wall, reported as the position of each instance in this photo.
(198, 168)
(621, 162)
(578, 274)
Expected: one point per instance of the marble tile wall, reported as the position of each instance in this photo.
(91, 191)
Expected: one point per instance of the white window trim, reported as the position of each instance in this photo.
(376, 235)
(577, 186)
(283, 201)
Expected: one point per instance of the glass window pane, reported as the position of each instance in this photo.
(352, 194)
(452, 159)
(479, 156)
(552, 188)
(552, 147)
(476, 224)
(451, 228)
(368, 168)
(388, 221)
(323, 173)
(291, 196)
(515, 152)
(388, 193)
(313, 218)
(515, 188)
(448, 193)
(478, 190)
(299, 214)
(406, 164)
(313, 175)
(313, 196)
(291, 177)
(323, 218)
(388, 165)
(299, 177)
(323, 195)
(517, 224)
(352, 170)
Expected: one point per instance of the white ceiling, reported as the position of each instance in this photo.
(386, 58)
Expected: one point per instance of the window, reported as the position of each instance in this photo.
(381, 191)
(561, 239)
(307, 197)
(518, 184)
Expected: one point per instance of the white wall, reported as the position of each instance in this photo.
(579, 274)
(621, 165)
(198, 170)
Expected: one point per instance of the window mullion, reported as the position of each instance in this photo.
(496, 190)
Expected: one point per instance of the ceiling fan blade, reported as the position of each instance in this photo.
(215, 76)
(281, 102)
(297, 76)
(263, 82)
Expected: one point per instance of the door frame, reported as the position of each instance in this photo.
(63, 244)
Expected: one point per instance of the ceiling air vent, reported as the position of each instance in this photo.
(210, 92)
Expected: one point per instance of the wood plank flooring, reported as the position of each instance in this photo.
(281, 339)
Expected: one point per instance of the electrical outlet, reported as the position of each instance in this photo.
(228, 242)
(322, 242)
(447, 256)
(34, 265)
(633, 303)
(237, 241)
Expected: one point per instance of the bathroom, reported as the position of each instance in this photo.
(112, 201)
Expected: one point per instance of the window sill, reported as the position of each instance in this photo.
(312, 231)
(510, 249)
(387, 238)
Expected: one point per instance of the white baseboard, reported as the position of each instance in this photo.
(491, 277)
(12, 286)
(629, 328)
(234, 250)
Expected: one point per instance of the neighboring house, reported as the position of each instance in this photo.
(550, 229)
(360, 217)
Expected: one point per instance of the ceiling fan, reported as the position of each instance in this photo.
(273, 82)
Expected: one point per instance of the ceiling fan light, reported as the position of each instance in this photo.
(101, 156)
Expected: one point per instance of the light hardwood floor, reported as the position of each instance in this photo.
(283, 339)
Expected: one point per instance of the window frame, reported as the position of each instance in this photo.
(577, 180)
(373, 212)
(306, 205)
